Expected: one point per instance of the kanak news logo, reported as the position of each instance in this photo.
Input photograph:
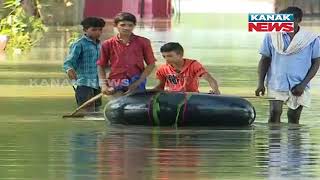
(270, 22)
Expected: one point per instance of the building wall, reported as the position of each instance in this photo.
(102, 8)
(132, 6)
(309, 7)
(55, 12)
(148, 8)
(161, 9)
(109, 8)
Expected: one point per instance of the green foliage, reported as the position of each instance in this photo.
(21, 42)
(74, 37)
(23, 31)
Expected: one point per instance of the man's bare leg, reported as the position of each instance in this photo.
(294, 115)
(275, 111)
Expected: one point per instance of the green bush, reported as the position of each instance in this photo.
(23, 31)
(74, 37)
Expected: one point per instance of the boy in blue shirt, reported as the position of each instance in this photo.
(80, 64)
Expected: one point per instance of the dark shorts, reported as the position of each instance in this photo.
(84, 93)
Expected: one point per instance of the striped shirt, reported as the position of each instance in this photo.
(82, 57)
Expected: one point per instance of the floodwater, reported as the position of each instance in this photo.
(36, 143)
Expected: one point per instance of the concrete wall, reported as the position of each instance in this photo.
(309, 7)
(108, 8)
(55, 12)
(102, 8)
(132, 6)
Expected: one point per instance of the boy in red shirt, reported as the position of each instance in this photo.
(181, 74)
(125, 54)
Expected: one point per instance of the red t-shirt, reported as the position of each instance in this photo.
(187, 80)
(126, 60)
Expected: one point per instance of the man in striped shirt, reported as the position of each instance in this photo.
(80, 64)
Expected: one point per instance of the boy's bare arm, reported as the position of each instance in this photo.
(102, 75)
(159, 86)
(103, 81)
(212, 82)
(72, 74)
(147, 71)
(71, 61)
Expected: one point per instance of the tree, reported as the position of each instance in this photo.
(23, 29)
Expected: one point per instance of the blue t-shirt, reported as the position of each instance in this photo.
(286, 71)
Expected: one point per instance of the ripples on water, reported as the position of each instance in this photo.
(120, 152)
(37, 144)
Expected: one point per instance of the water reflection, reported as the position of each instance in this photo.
(142, 153)
(83, 156)
(288, 153)
(124, 155)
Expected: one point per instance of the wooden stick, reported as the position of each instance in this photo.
(258, 97)
(250, 97)
(73, 114)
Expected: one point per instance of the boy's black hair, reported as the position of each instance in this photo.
(172, 46)
(297, 12)
(125, 16)
(92, 22)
